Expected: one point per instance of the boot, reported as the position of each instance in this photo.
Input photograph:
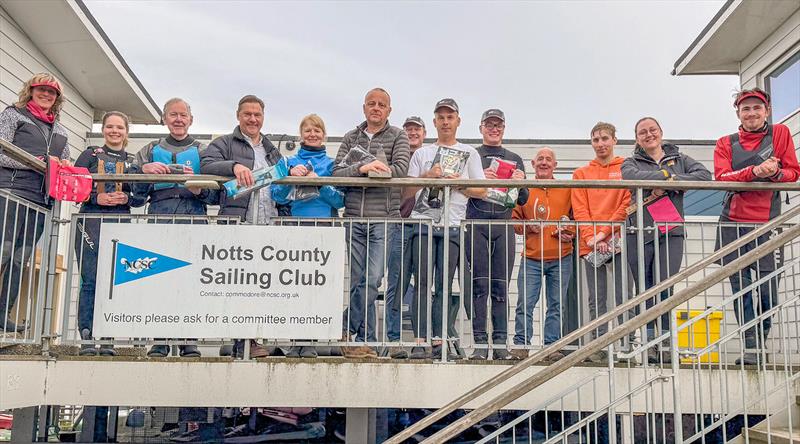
(189, 351)
(749, 357)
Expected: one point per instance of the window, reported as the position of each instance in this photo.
(703, 202)
(783, 84)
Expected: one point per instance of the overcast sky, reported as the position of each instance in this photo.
(555, 68)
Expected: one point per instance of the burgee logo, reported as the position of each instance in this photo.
(131, 263)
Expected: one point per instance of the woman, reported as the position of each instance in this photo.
(307, 201)
(653, 159)
(32, 125)
(106, 198)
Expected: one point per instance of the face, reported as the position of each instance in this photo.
(251, 119)
(114, 131)
(312, 136)
(446, 122)
(753, 113)
(44, 97)
(603, 144)
(492, 130)
(544, 163)
(648, 134)
(377, 108)
(178, 119)
(416, 135)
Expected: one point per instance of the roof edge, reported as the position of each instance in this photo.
(702, 35)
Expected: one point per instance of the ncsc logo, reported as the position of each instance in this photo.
(133, 263)
(138, 265)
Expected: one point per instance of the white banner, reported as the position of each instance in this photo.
(212, 281)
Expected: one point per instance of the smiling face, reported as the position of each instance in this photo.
(44, 97)
(377, 107)
(178, 118)
(115, 132)
(416, 135)
(492, 130)
(312, 136)
(603, 144)
(648, 134)
(251, 119)
(544, 163)
(753, 113)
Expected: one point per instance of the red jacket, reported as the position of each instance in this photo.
(755, 206)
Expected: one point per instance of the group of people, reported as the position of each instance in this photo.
(426, 245)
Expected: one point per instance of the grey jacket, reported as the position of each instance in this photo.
(678, 166)
(374, 201)
(223, 154)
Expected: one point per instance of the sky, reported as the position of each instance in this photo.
(554, 68)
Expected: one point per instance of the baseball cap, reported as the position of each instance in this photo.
(494, 112)
(53, 85)
(416, 120)
(446, 103)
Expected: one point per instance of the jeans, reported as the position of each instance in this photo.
(421, 255)
(399, 278)
(532, 272)
(367, 253)
(490, 251)
(597, 281)
(86, 249)
(22, 228)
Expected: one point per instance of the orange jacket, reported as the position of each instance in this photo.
(554, 203)
(599, 204)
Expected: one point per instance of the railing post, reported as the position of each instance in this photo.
(640, 261)
(47, 268)
(677, 419)
(446, 275)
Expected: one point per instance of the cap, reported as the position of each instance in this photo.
(446, 103)
(747, 95)
(416, 120)
(53, 85)
(494, 112)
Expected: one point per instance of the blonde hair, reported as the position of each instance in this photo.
(604, 126)
(124, 118)
(26, 94)
(315, 121)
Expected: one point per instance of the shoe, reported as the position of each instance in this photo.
(107, 350)
(308, 352)
(419, 353)
(501, 354)
(747, 359)
(292, 352)
(189, 351)
(10, 327)
(87, 349)
(598, 357)
(519, 354)
(394, 352)
(358, 352)
(555, 356)
(480, 354)
(158, 351)
(257, 350)
(226, 350)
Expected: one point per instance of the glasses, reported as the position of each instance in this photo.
(653, 131)
(46, 89)
(491, 126)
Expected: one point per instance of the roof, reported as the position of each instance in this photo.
(70, 37)
(734, 32)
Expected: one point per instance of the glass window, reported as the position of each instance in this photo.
(783, 84)
(703, 203)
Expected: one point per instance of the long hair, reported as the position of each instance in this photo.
(26, 94)
(124, 118)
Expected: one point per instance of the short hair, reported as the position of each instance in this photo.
(737, 95)
(175, 100)
(635, 127)
(26, 94)
(124, 118)
(379, 90)
(249, 99)
(545, 147)
(604, 126)
(314, 121)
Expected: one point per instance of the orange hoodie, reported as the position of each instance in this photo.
(544, 246)
(598, 204)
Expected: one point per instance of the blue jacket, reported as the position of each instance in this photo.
(330, 199)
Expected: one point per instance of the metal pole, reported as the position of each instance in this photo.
(446, 270)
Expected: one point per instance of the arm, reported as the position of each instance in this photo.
(693, 170)
(518, 214)
(475, 171)
(723, 169)
(135, 198)
(631, 171)
(213, 159)
(87, 160)
(401, 154)
(340, 170)
(331, 196)
(523, 192)
(790, 170)
(580, 209)
(414, 170)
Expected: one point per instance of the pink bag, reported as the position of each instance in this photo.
(73, 184)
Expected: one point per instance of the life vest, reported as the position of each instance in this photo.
(742, 158)
(189, 157)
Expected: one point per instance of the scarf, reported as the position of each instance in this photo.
(39, 113)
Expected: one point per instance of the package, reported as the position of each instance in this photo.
(506, 197)
(597, 258)
(262, 178)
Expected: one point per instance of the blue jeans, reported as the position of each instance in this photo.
(367, 253)
(399, 278)
(86, 249)
(529, 284)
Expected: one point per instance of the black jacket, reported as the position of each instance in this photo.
(89, 160)
(481, 209)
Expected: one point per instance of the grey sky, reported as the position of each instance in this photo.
(555, 68)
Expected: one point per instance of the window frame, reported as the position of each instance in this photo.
(793, 52)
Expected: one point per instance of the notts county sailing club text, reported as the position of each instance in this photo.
(287, 276)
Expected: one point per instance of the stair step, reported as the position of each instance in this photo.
(777, 435)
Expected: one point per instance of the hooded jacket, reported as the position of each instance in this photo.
(673, 166)
(373, 201)
(330, 199)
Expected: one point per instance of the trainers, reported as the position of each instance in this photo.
(107, 350)
(87, 349)
(597, 357)
(189, 351)
(395, 352)
(519, 354)
(226, 350)
(158, 351)
(480, 354)
(555, 356)
(747, 359)
(419, 353)
(292, 352)
(9, 326)
(500, 354)
(257, 350)
(308, 352)
(358, 352)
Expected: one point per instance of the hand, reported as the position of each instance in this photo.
(601, 247)
(298, 170)
(375, 165)
(105, 199)
(658, 192)
(534, 229)
(155, 168)
(244, 177)
(119, 197)
(518, 175)
(435, 172)
(566, 236)
(311, 174)
(490, 173)
(594, 240)
(62, 162)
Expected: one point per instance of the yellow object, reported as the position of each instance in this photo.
(698, 335)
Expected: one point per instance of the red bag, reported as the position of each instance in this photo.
(73, 184)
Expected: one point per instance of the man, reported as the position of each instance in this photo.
(758, 152)
(238, 154)
(389, 147)
(590, 205)
(399, 263)
(547, 255)
(490, 248)
(178, 148)
(427, 162)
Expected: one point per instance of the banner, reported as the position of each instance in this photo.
(213, 281)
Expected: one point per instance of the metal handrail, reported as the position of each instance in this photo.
(603, 341)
